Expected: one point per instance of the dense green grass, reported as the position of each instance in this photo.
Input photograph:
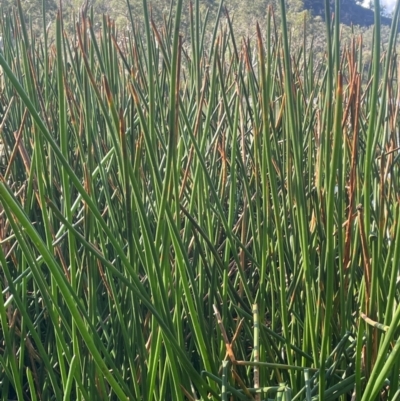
(193, 218)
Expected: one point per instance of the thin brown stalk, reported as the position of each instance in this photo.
(19, 147)
(353, 178)
(224, 335)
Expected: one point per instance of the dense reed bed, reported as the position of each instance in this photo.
(198, 218)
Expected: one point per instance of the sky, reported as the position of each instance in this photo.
(387, 3)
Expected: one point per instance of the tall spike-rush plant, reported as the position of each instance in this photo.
(154, 194)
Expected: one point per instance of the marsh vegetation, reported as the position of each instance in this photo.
(200, 217)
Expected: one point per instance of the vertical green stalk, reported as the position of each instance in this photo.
(295, 138)
(64, 145)
(256, 349)
(265, 87)
(331, 240)
(369, 152)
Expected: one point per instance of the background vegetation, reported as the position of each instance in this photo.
(311, 13)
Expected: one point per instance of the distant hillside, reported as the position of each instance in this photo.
(350, 12)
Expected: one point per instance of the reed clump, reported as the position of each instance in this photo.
(198, 219)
